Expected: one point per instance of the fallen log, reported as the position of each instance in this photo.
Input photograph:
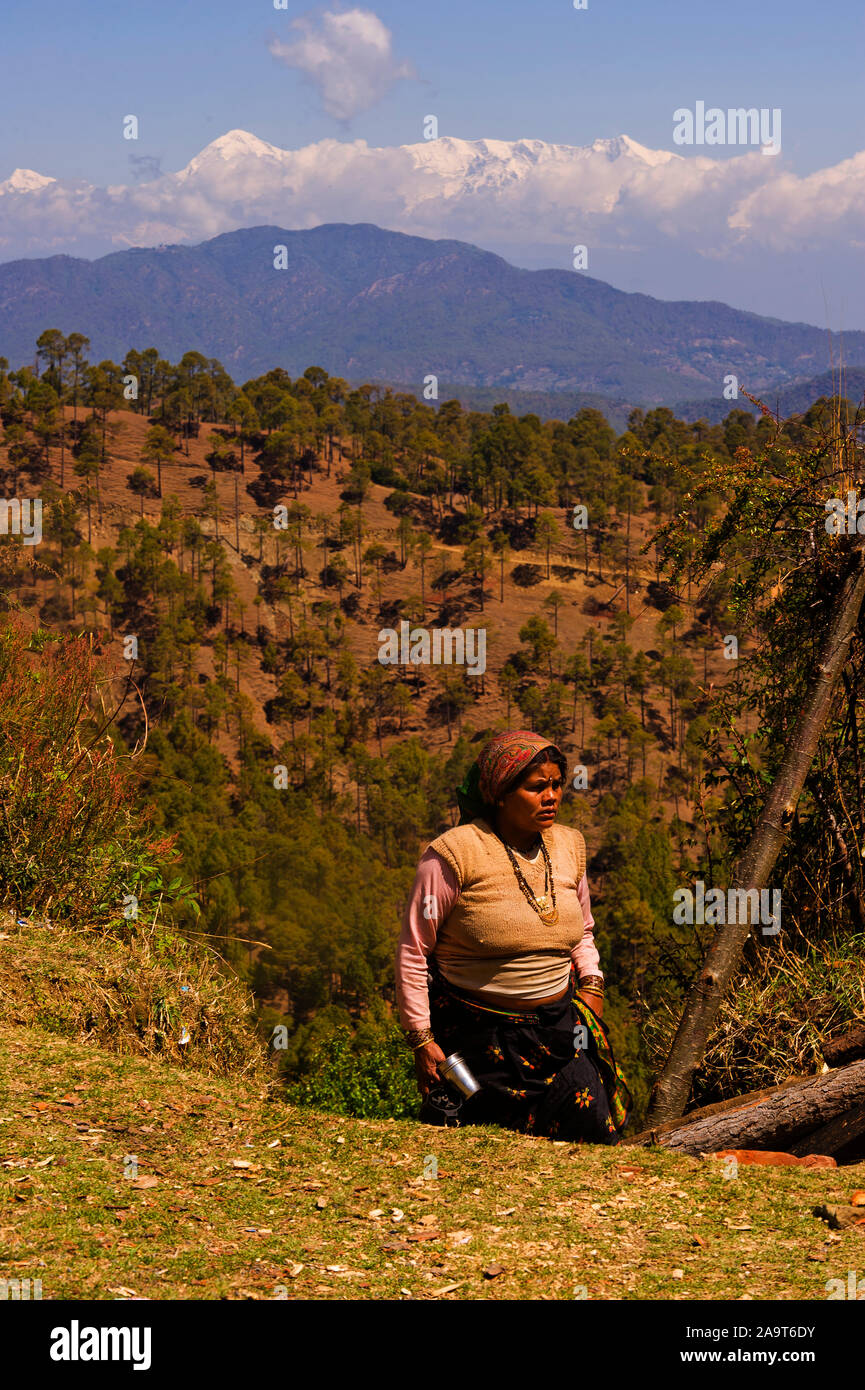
(779, 1120)
(847, 1047)
(839, 1134)
(718, 1107)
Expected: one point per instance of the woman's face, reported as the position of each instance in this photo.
(534, 804)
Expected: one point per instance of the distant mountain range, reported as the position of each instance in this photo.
(375, 305)
(689, 223)
(433, 187)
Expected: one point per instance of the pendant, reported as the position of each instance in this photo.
(548, 914)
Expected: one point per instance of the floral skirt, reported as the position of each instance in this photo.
(551, 1072)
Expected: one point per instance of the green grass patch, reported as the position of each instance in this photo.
(235, 1194)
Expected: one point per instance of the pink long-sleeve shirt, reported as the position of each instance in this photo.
(417, 940)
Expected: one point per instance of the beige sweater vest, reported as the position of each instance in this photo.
(492, 916)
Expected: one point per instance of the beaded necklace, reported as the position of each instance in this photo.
(545, 905)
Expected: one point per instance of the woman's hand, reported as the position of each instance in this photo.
(426, 1061)
(594, 1003)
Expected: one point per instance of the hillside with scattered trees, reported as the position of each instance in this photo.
(233, 554)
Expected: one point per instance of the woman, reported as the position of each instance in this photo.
(497, 930)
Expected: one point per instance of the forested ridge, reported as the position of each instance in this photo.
(373, 304)
(302, 777)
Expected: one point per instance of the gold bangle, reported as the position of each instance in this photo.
(423, 1044)
(418, 1037)
(584, 989)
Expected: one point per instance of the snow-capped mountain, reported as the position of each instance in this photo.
(235, 147)
(25, 181)
(450, 167)
(479, 160)
(470, 167)
(730, 225)
(460, 166)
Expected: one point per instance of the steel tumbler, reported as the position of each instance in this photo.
(454, 1071)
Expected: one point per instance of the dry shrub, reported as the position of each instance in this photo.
(72, 848)
(773, 1021)
(137, 996)
(71, 837)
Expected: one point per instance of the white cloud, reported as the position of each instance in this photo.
(826, 207)
(746, 229)
(348, 55)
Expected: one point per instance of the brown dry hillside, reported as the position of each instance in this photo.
(587, 600)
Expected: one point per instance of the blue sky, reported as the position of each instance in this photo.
(192, 69)
(781, 236)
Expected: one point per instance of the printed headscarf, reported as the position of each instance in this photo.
(498, 763)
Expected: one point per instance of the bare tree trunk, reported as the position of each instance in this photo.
(671, 1090)
(835, 1137)
(718, 1107)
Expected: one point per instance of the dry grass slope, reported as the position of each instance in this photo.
(138, 996)
(236, 1196)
